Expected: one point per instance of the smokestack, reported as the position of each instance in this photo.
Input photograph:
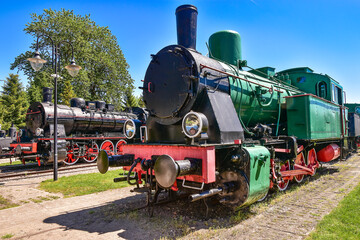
(186, 23)
(47, 94)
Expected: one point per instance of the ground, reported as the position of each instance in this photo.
(106, 215)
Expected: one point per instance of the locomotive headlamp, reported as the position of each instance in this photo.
(129, 129)
(194, 124)
(39, 132)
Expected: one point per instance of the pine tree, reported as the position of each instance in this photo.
(67, 93)
(140, 101)
(129, 99)
(14, 102)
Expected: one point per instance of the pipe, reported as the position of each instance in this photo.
(205, 194)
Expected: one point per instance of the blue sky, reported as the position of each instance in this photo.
(323, 35)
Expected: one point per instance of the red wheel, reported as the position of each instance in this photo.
(72, 155)
(312, 161)
(285, 183)
(91, 153)
(108, 146)
(300, 160)
(119, 147)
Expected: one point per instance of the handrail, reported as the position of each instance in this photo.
(234, 76)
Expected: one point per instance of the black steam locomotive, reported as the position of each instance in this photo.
(217, 130)
(84, 128)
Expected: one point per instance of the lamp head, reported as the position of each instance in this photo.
(36, 61)
(73, 69)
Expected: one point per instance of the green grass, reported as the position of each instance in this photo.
(343, 222)
(83, 184)
(5, 203)
(8, 163)
(7, 236)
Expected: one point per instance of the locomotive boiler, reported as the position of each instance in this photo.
(216, 130)
(79, 117)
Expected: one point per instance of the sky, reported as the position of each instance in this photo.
(321, 34)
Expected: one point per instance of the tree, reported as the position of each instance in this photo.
(67, 94)
(129, 99)
(104, 74)
(141, 101)
(14, 102)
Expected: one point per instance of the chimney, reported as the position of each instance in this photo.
(186, 22)
(47, 94)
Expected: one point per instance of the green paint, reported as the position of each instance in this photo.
(255, 104)
(311, 118)
(259, 169)
(353, 107)
(225, 46)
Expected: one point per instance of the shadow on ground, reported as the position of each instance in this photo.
(171, 220)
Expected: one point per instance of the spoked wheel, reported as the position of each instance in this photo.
(72, 155)
(119, 147)
(91, 153)
(285, 183)
(107, 146)
(300, 160)
(312, 160)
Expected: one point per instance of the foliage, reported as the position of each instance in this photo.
(14, 102)
(67, 94)
(140, 101)
(129, 99)
(83, 184)
(343, 222)
(36, 84)
(104, 74)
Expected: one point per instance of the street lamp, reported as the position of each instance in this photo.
(73, 69)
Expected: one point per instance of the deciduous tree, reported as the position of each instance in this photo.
(104, 74)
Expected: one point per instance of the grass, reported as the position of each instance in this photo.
(343, 222)
(5, 203)
(7, 236)
(83, 184)
(8, 163)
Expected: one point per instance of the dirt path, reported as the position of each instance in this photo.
(100, 216)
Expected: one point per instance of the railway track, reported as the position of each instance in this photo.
(10, 175)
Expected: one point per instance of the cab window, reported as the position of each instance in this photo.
(321, 89)
(336, 94)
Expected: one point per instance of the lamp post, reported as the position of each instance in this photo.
(73, 69)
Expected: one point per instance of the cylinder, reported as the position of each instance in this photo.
(104, 161)
(329, 153)
(186, 22)
(47, 94)
(167, 169)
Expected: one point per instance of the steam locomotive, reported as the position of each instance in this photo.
(84, 128)
(216, 130)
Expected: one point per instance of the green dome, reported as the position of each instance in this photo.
(225, 46)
